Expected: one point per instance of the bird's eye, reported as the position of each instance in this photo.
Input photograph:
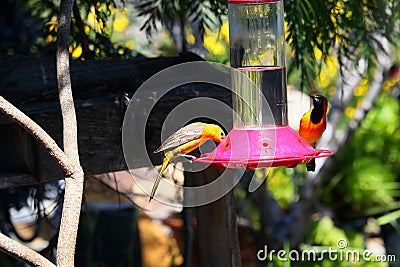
(222, 135)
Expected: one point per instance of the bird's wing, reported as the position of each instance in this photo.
(182, 136)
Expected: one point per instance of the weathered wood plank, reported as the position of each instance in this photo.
(100, 111)
(27, 80)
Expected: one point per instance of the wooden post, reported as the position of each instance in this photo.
(216, 231)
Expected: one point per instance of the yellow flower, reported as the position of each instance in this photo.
(130, 44)
(362, 88)
(323, 79)
(333, 19)
(219, 49)
(349, 111)
(77, 52)
(49, 39)
(390, 83)
(97, 25)
(317, 53)
(190, 39)
(209, 41)
(53, 24)
(224, 31)
(214, 46)
(332, 66)
(329, 72)
(121, 20)
(87, 29)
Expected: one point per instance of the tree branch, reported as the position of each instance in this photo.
(73, 184)
(23, 253)
(74, 176)
(64, 83)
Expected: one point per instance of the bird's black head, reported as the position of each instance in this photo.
(320, 108)
(319, 100)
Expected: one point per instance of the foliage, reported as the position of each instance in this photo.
(91, 30)
(314, 28)
(205, 13)
(350, 26)
(281, 185)
(366, 181)
(217, 44)
(349, 246)
(18, 31)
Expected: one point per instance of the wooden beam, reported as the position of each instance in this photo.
(99, 87)
(31, 80)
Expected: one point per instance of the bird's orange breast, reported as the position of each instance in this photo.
(309, 131)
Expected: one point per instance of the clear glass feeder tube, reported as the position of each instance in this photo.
(257, 49)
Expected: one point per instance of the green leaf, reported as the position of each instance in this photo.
(387, 218)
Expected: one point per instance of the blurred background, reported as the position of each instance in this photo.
(348, 51)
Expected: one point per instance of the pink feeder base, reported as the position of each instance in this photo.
(265, 147)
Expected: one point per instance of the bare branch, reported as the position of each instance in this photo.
(64, 83)
(74, 184)
(23, 253)
(74, 175)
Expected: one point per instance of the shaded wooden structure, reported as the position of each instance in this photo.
(98, 88)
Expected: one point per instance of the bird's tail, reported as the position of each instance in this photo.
(166, 160)
(311, 165)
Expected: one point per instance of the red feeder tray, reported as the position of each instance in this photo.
(263, 147)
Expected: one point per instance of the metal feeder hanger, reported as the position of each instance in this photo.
(260, 137)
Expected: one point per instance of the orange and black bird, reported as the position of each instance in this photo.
(313, 124)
